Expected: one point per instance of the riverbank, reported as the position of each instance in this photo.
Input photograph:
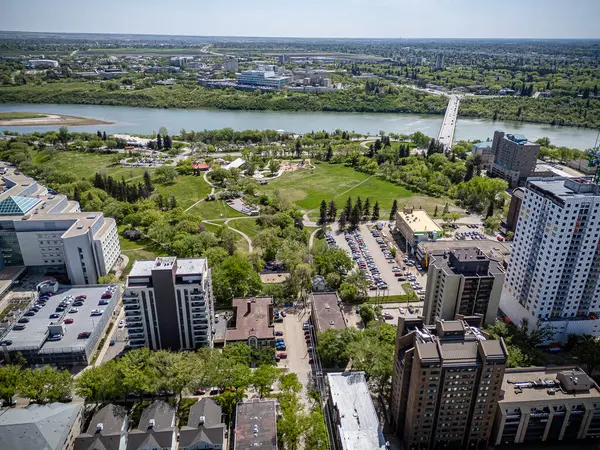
(27, 119)
(144, 121)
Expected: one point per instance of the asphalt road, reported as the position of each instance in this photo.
(446, 134)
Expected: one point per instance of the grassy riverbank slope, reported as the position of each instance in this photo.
(185, 96)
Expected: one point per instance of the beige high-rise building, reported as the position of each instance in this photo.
(445, 385)
(543, 405)
(463, 282)
(514, 158)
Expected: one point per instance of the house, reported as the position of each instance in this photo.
(205, 428)
(107, 430)
(156, 429)
(326, 312)
(252, 321)
(47, 427)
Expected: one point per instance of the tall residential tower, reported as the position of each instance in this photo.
(553, 272)
(169, 304)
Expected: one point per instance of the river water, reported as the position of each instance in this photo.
(148, 120)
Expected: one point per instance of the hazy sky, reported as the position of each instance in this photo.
(310, 18)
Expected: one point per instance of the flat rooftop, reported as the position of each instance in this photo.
(327, 311)
(252, 318)
(36, 331)
(565, 187)
(493, 249)
(256, 426)
(359, 426)
(8, 275)
(419, 221)
(531, 374)
(189, 266)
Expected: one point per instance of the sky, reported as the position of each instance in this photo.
(310, 18)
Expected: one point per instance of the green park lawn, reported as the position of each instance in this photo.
(246, 226)
(187, 189)
(85, 165)
(216, 209)
(308, 187)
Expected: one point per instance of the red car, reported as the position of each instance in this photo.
(282, 355)
(69, 320)
(307, 340)
(200, 391)
(106, 295)
(81, 297)
(310, 360)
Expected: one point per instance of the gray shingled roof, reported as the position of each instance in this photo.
(112, 419)
(161, 434)
(37, 427)
(211, 432)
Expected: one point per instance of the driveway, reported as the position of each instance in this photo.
(297, 360)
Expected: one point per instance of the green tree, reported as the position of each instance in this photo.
(227, 238)
(342, 222)
(47, 384)
(375, 215)
(355, 216)
(10, 378)
(264, 377)
(366, 209)
(331, 211)
(166, 174)
(274, 167)
(135, 371)
(328, 260)
(394, 210)
(63, 135)
(322, 213)
(347, 210)
(316, 437)
(235, 277)
(238, 353)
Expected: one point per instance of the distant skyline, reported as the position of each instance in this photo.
(310, 18)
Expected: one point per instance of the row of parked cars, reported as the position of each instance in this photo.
(330, 239)
(383, 246)
(365, 262)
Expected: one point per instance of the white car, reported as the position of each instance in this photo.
(121, 323)
(97, 312)
(402, 310)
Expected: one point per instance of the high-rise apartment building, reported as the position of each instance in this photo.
(230, 64)
(49, 233)
(439, 62)
(553, 271)
(169, 304)
(445, 385)
(514, 158)
(463, 282)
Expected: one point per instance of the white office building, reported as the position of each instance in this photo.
(169, 304)
(554, 268)
(48, 233)
(37, 63)
(266, 76)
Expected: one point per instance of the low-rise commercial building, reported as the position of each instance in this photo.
(156, 428)
(38, 63)
(107, 430)
(416, 226)
(327, 312)
(463, 282)
(252, 321)
(547, 404)
(445, 385)
(169, 304)
(352, 412)
(514, 158)
(48, 427)
(48, 233)
(205, 428)
(255, 425)
(64, 335)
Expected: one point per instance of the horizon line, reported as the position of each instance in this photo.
(307, 37)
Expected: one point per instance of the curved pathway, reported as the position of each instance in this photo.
(311, 240)
(212, 191)
(244, 235)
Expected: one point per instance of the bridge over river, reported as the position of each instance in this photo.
(446, 134)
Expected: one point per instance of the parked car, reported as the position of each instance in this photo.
(69, 320)
(112, 342)
(19, 327)
(54, 316)
(279, 333)
(23, 320)
(73, 310)
(97, 312)
(84, 335)
(55, 337)
(282, 355)
(387, 316)
(6, 342)
(121, 323)
(200, 391)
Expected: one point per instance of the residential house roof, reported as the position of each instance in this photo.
(204, 425)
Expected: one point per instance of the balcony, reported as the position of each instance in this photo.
(197, 304)
(131, 307)
(136, 335)
(130, 294)
(133, 313)
(133, 320)
(136, 330)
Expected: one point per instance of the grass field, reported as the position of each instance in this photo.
(20, 115)
(85, 165)
(217, 209)
(246, 226)
(308, 187)
(187, 189)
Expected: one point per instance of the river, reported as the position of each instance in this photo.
(148, 120)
